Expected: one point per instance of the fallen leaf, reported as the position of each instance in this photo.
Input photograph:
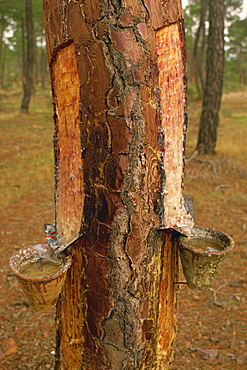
(207, 353)
(212, 361)
(9, 346)
(242, 360)
(215, 339)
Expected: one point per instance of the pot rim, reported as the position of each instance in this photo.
(208, 233)
(67, 260)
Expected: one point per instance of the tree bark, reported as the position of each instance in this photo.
(207, 136)
(119, 90)
(201, 55)
(197, 59)
(27, 79)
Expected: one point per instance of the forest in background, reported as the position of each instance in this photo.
(14, 45)
(196, 27)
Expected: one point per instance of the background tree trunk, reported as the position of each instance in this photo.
(201, 52)
(27, 79)
(118, 80)
(197, 58)
(207, 136)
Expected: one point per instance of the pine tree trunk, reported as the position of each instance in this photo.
(197, 59)
(119, 90)
(207, 136)
(27, 80)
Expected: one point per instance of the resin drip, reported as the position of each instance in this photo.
(40, 267)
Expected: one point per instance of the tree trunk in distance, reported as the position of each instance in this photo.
(27, 79)
(197, 59)
(201, 54)
(240, 66)
(207, 136)
(119, 91)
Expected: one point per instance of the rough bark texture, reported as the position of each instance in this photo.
(111, 81)
(207, 136)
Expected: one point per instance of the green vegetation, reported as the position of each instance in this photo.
(13, 46)
(196, 24)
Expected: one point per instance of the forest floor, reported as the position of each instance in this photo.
(212, 326)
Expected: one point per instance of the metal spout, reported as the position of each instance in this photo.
(54, 241)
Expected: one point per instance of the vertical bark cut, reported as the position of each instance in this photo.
(170, 49)
(67, 142)
(70, 319)
(167, 303)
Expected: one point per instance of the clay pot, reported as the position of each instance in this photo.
(202, 255)
(41, 290)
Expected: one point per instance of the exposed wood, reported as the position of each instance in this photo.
(167, 303)
(72, 307)
(170, 49)
(127, 300)
(67, 143)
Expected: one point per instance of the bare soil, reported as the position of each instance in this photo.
(212, 325)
